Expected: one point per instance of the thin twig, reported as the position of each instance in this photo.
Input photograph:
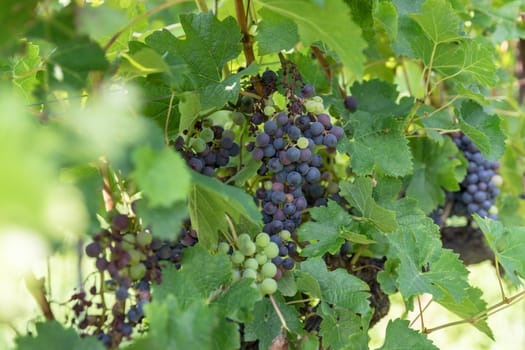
(166, 124)
(421, 312)
(496, 264)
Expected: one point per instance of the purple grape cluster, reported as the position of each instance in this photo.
(287, 146)
(478, 190)
(128, 260)
(208, 148)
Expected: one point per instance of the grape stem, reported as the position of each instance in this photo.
(166, 124)
(483, 314)
(420, 314)
(319, 55)
(201, 4)
(37, 289)
(278, 312)
(498, 275)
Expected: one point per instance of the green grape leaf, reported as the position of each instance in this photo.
(438, 21)
(209, 45)
(237, 302)
(466, 58)
(408, 6)
(324, 231)
(399, 336)
(472, 305)
(324, 23)
(161, 175)
(287, 285)
(342, 329)
(359, 194)
(417, 247)
(508, 245)
(15, 17)
(266, 325)
(24, 72)
(380, 97)
(142, 62)
(433, 120)
(483, 129)
(308, 284)
(275, 33)
(197, 325)
(71, 62)
(52, 335)
(435, 168)
(377, 130)
(338, 287)
(165, 222)
(159, 103)
(210, 201)
(190, 283)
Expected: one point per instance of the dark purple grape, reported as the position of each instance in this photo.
(307, 91)
(293, 154)
(120, 222)
(330, 140)
(350, 103)
(93, 249)
(288, 263)
(337, 131)
(122, 293)
(227, 143)
(282, 118)
(325, 120)
(313, 175)
(316, 128)
(294, 178)
(196, 164)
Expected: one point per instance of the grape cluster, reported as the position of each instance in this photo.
(207, 148)
(290, 145)
(480, 186)
(128, 259)
(258, 260)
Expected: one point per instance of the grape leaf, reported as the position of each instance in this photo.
(472, 305)
(71, 62)
(142, 62)
(209, 45)
(408, 6)
(323, 23)
(324, 231)
(438, 20)
(237, 302)
(275, 33)
(24, 72)
(267, 325)
(359, 194)
(508, 245)
(483, 129)
(15, 16)
(210, 201)
(342, 329)
(416, 245)
(380, 97)
(338, 287)
(467, 59)
(435, 168)
(52, 335)
(194, 325)
(399, 336)
(162, 176)
(190, 283)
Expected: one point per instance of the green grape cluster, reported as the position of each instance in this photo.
(253, 259)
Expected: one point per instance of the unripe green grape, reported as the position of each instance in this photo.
(261, 258)
(285, 235)
(248, 249)
(262, 239)
(135, 257)
(271, 250)
(268, 286)
(302, 143)
(497, 180)
(228, 134)
(249, 273)
(237, 257)
(269, 111)
(251, 263)
(268, 270)
(198, 145)
(143, 238)
(317, 99)
(223, 248)
(236, 275)
(314, 107)
(207, 135)
(243, 238)
(238, 118)
(136, 272)
(268, 185)
(127, 244)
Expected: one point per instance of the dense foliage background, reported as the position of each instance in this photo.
(259, 174)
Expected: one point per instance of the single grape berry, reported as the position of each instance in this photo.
(350, 103)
